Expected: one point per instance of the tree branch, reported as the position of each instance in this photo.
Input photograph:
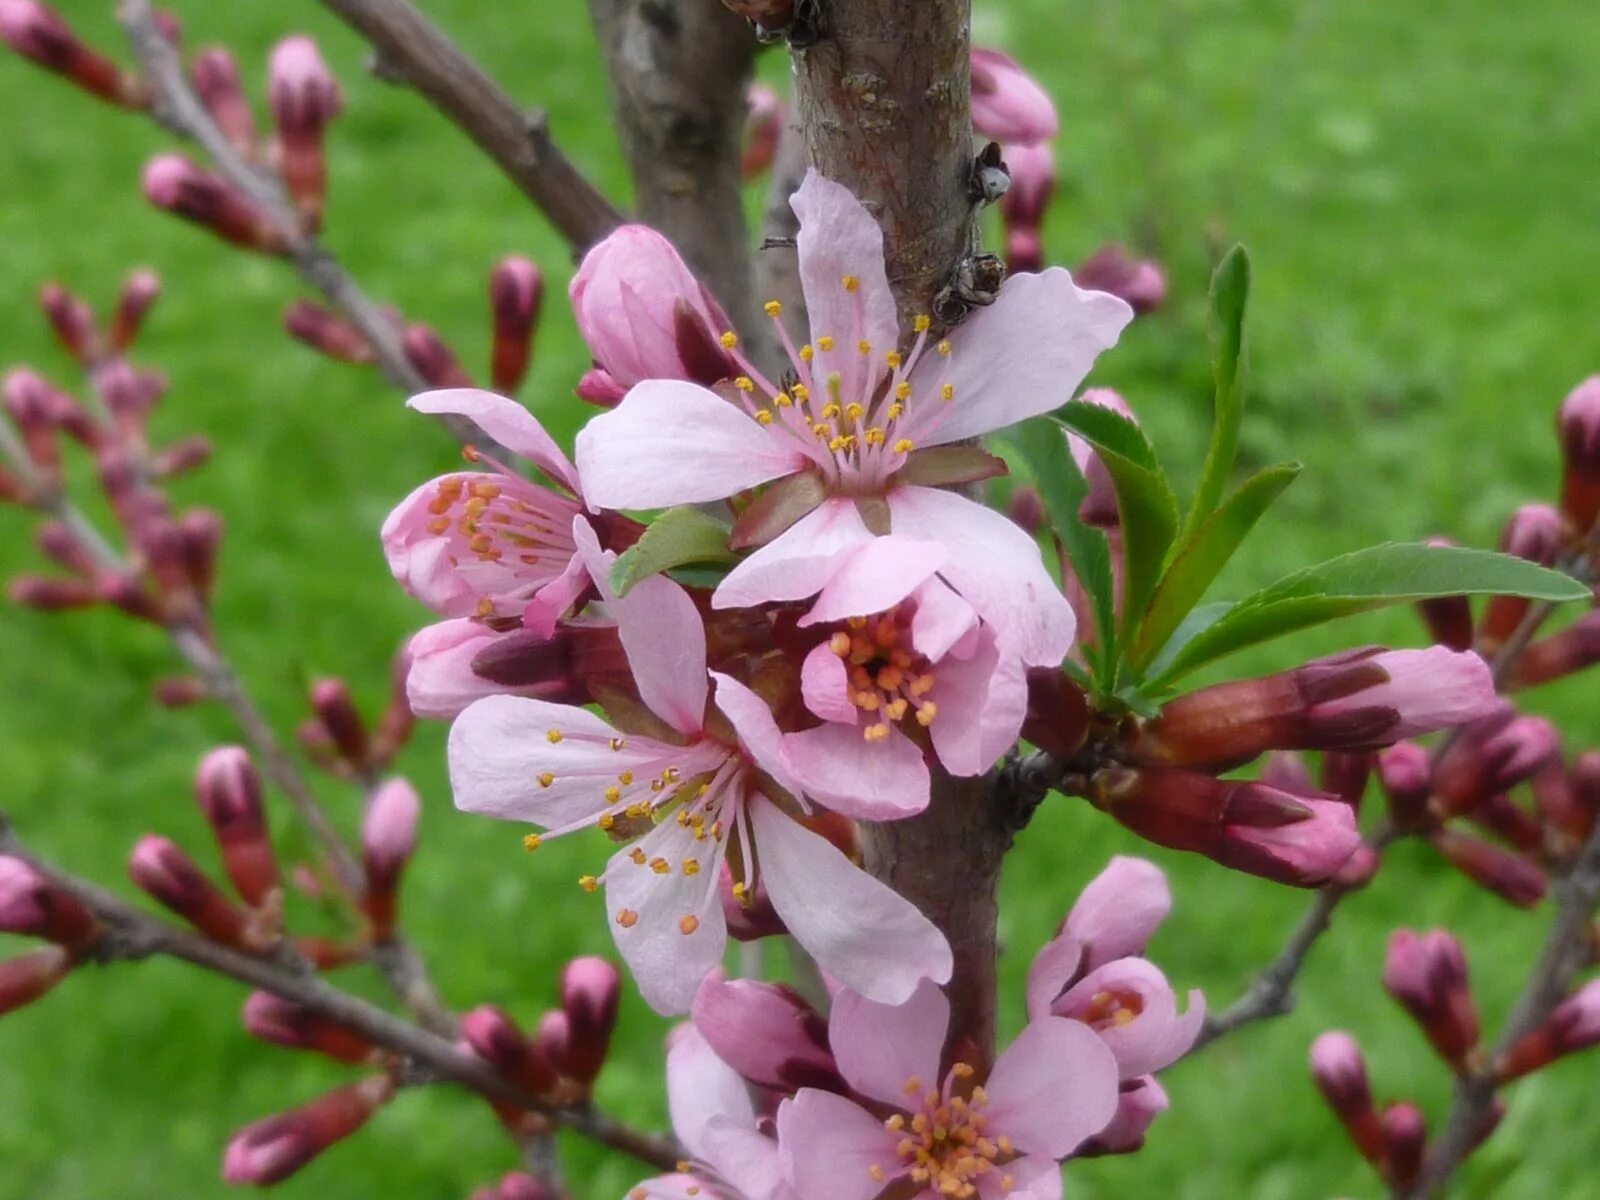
(414, 50)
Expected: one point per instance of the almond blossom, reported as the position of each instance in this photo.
(946, 1135)
(1008, 105)
(708, 784)
(857, 431)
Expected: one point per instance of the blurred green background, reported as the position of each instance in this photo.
(1417, 188)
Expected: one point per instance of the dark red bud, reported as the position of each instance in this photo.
(591, 991)
(139, 295)
(285, 1023)
(495, 1038)
(272, 1150)
(229, 791)
(432, 359)
(27, 977)
(72, 320)
(37, 32)
(161, 869)
(177, 185)
(216, 78)
(516, 289)
(326, 333)
(337, 711)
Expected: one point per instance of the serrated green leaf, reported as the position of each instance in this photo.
(1202, 555)
(1043, 449)
(1148, 508)
(677, 537)
(1230, 292)
(1362, 582)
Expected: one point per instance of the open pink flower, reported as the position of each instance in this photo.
(715, 785)
(730, 1158)
(1008, 105)
(491, 544)
(906, 652)
(1119, 910)
(853, 440)
(1053, 1087)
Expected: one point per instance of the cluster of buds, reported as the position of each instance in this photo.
(33, 905)
(342, 742)
(38, 33)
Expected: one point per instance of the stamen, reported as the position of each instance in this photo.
(531, 842)
(588, 883)
(688, 925)
(773, 308)
(729, 340)
(627, 918)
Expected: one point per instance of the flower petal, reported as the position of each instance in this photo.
(1053, 1087)
(942, 620)
(797, 563)
(441, 683)
(982, 703)
(668, 1187)
(880, 1048)
(1119, 910)
(997, 569)
(1157, 1036)
(1034, 1177)
(830, 1146)
(748, 1160)
(839, 239)
(701, 1089)
(508, 423)
(825, 685)
(1008, 105)
(671, 442)
(870, 781)
(758, 732)
(1053, 968)
(1021, 356)
(875, 576)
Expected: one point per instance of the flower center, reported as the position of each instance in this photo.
(1114, 1006)
(944, 1147)
(887, 677)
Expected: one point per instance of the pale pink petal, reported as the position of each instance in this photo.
(552, 601)
(758, 732)
(868, 937)
(825, 685)
(1137, 1109)
(676, 933)
(1156, 1036)
(880, 1048)
(1119, 910)
(441, 683)
(839, 238)
(1053, 1087)
(508, 423)
(1035, 1177)
(982, 703)
(1430, 689)
(799, 561)
(942, 622)
(996, 567)
(669, 1187)
(1053, 968)
(671, 442)
(701, 1088)
(870, 781)
(875, 576)
(1007, 104)
(830, 1146)
(749, 1161)
(662, 633)
(1021, 356)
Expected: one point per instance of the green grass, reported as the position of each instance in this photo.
(1417, 191)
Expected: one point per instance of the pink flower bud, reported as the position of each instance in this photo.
(26, 977)
(1559, 655)
(1427, 974)
(1118, 911)
(1493, 754)
(130, 395)
(1534, 532)
(274, 1149)
(763, 129)
(37, 32)
(139, 295)
(337, 711)
(768, 1033)
(1358, 869)
(1139, 1103)
(285, 1023)
(1286, 769)
(304, 98)
(1508, 875)
(1405, 1143)
(1340, 1073)
(1574, 1025)
(1139, 281)
(1510, 822)
(432, 359)
(644, 315)
(518, 1186)
(591, 990)
(175, 184)
(52, 595)
(388, 840)
(495, 1038)
(598, 388)
(33, 906)
(72, 320)
(181, 691)
(1448, 618)
(1023, 207)
(1007, 105)
(216, 78)
(1345, 773)
(516, 290)
(326, 333)
(1406, 772)
(28, 399)
(1579, 425)
(551, 1036)
(229, 791)
(161, 869)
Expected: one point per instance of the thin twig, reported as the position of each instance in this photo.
(133, 934)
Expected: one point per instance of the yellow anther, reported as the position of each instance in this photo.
(636, 856)
(947, 392)
(944, 347)
(553, 737)
(825, 343)
(896, 411)
(486, 607)
(688, 925)
(851, 283)
(902, 390)
(806, 354)
(839, 643)
(729, 340)
(764, 417)
(627, 918)
(613, 795)
(625, 778)
(922, 323)
(874, 436)
(864, 346)
(588, 883)
(745, 384)
(531, 842)
(854, 412)
(801, 391)
(895, 1123)
(904, 446)
(661, 866)
(830, 412)
(963, 1071)
(617, 743)
(546, 778)
(773, 308)
(913, 1085)
(782, 400)
(691, 866)
(894, 358)
(607, 822)
(875, 1173)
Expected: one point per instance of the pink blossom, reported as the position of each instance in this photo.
(715, 1120)
(1008, 105)
(441, 683)
(1118, 911)
(1055, 1086)
(491, 544)
(845, 442)
(724, 778)
(766, 1032)
(1138, 1105)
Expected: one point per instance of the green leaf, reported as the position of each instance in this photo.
(1043, 450)
(1367, 580)
(678, 536)
(1230, 290)
(1148, 508)
(1202, 555)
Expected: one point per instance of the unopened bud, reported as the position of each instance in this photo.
(1345, 774)
(304, 97)
(184, 455)
(1406, 772)
(26, 977)
(1492, 755)
(216, 78)
(130, 395)
(229, 791)
(181, 691)
(1358, 869)
(274, 1149)
(1579, 425)
(326, 333)
(1340, 1072)
(72, 320)
(161, 869)
(551, 1036)
(1405, 1142)
(1139, 281)
(1573, 649)
(1506, 874)
(516, 289)
(285, 1023)
(597, 387)
(1427, 974)
(52, 595)
(1448, 618)
(175, 184)
(33, 906)
(139, 295)
(520, 1186)
(495, 1038)
(388, 840)
(1510, 822)
(1057, 718)
(591, 990)
(1027, 200)
(1287, 770)
(1586, 789)
(202, 530)
(432, 359)
(37, 32)
(337, 712)
(28, 398)
(768, 1033)
(1574, 1025)
(1534, 532)
(765, 113)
